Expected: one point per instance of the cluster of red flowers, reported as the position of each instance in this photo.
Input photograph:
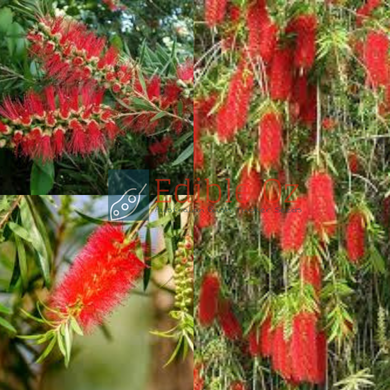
(159, 150)
(45, 127)
(212, 306)
(100, 277)
(114, 5)
(71, 54)
(355, 235)
(300, 356)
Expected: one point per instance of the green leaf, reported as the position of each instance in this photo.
(5, 309)
(42, 178)
(5, 324)
(68, 343)
(76, 326)
(6, 18)
(30, 221)
(61, 344)
(48, 349)
(187, 153)
(22, 261)
(158, 116)
(20, 231)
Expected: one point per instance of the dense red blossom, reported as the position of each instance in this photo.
(310, 271)
(198, 380)
(232, 116)
(281, 358)
(304, 26)
(227, 319)
(270, 140)
(319, 376)
(295, 225)
(198, 157)
(208, 299)
(376, 58)
(43, 127)
(322, 204)
(266, 337)
(205, 213)
(365, 10)
(281, 74)
(308, 111)
(203, 107)
(237, 385)
(100, 277)
(185, 72)
(254, 341)
(353, 162)
(250, 187)
(271, 212)
(215, 12)
(304, 347)
(355, 236)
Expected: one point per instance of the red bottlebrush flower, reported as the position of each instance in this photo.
(303, 347)
(319, 376)
(232, 116)
(203, 107)
(305, 27)
(308, 112)
(256, 16)
(250, 187)
(365, 10)
(353, 162)
(328, 124)
(198, 157)
(294, 226)
(198, 380)
(281, 76)
(205, 213)
(185, 72)
(228, 320)
(234, 13)
(254, 341)
(237, 385)
(269, 38)
(215, 12)
(266, 337)
(281, 359)
(322, 204)
(99, 278)
(376, 58)
(46, 129)
(270, 140)
(310, 270)
(208, 299)
(355, 236)
(271, 212)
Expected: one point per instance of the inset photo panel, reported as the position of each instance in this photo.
(87, 302)
(92, 86)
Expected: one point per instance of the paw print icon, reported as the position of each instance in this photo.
(127, 204)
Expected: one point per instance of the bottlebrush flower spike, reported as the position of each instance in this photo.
(355, 236)
(310, 270)
(250, 187)
(303, 347)
(185, 72)
(254, 341)
(215, 12)
(295, 224)
(198, 380)
(322, 204)
(42, 127)
(281, 75)
(271, 212)
(270, 140)
(376, 58)
(228, 320)
(365, 10)
(322, 357)
(205, 213)
(99, 278)
(304, 26)
(237, 385)
(208, 299)
(266, 337)
(281, 359)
